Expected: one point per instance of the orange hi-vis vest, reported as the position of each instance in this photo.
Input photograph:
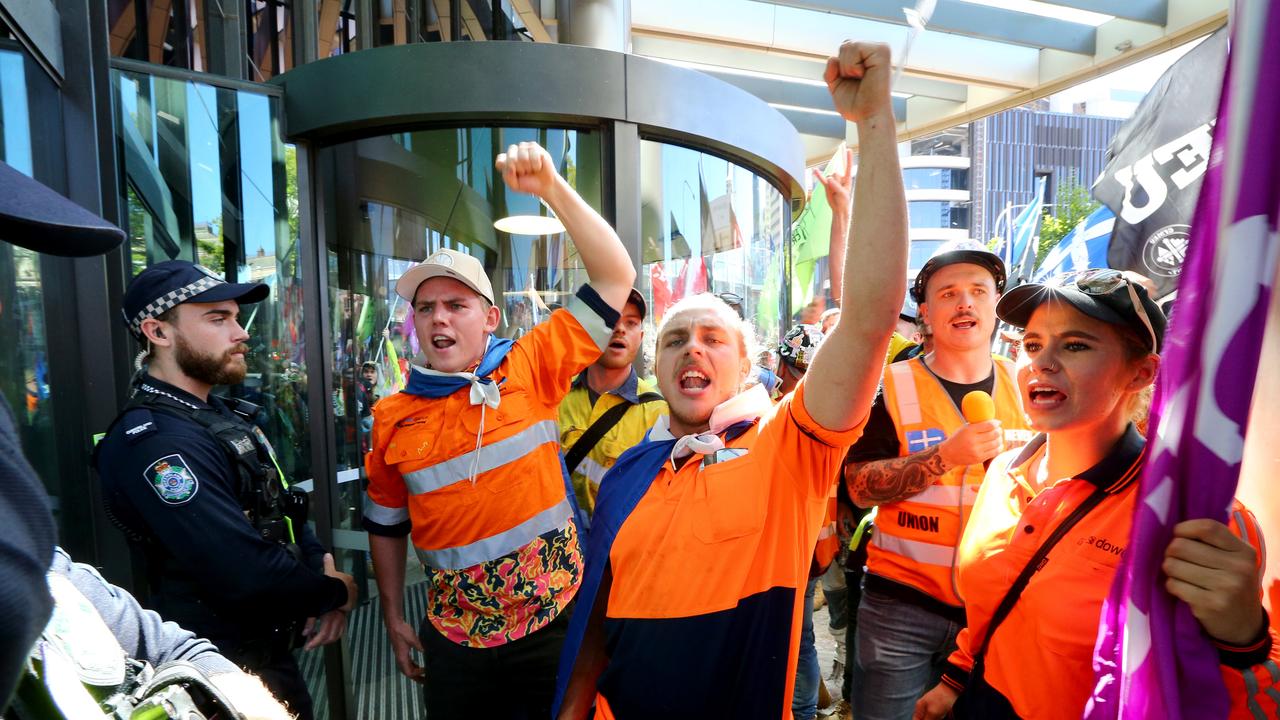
(916, 539)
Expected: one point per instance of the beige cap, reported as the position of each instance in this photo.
(446, 263)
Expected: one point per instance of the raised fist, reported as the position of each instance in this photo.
(858, 78)
(527, 168)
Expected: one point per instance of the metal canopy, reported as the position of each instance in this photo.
(975, 58)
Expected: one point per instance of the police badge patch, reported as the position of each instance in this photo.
(172, 479)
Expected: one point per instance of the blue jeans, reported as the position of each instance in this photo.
(900, 649)
(804, 700)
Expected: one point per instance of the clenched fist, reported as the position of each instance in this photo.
(528, 168)
(858, 78)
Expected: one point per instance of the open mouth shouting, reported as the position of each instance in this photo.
(964, 322)
(1042, 396)
(442, 342)
(693, 381)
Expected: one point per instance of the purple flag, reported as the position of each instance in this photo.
(1152, 659)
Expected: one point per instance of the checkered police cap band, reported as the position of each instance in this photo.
(170, 300)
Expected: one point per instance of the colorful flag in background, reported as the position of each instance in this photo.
(1152, 659)
(811, 236)
(1083, 248)
(1021, 243)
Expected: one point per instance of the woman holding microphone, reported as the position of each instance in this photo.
(1053, 518)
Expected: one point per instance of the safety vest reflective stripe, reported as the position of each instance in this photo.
(383, 515)
(921, 552)
(908, 400)
(495, 455)
(945, 496)
(495, 546)
(591, 470)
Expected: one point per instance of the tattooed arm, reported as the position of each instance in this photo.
(881, 482)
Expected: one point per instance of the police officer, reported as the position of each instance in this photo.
(196, 488)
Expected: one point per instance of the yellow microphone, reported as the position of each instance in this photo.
(977, 406)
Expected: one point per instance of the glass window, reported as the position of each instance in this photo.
(24, 356)
(172, 32)
(337, 27)
(708, 224)
(921, 251)
(936, 178)
(938, 214)
(269, 36)
(388, 202)
(208, 178)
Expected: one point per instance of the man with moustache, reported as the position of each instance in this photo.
(608, 408)
(921, 463)
(194, 485)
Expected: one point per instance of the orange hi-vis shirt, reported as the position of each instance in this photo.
(1041, 657)
(501, 551)
(709, 570)
(915, 539)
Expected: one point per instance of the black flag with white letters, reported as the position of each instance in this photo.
(1155, 163)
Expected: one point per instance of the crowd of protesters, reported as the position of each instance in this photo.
(602, 543)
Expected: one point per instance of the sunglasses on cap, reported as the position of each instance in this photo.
(1104, 281)
(730, 298)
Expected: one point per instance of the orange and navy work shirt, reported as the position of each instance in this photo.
(501, 550)
(1040, 658)
(915, 540)
(703, 615)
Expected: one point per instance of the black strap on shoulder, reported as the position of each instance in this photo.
(603, 424)
(1020, 584)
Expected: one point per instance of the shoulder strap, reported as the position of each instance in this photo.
(603, 424)
(1020, 584)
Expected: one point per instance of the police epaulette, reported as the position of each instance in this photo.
(141, 425)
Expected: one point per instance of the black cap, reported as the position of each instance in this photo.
(799, 345)
(910, 311)
(1114, 306)
(37, 218)
(638, 300)
(954, 253)
(171, 283)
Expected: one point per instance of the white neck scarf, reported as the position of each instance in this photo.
(749, 404)
(482, 393)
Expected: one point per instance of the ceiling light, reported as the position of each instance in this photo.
(529, 225)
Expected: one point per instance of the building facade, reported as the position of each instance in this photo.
(323, 147)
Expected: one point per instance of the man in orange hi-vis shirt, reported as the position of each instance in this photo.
(700, 546)
(466, 460)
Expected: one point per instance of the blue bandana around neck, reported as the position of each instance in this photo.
(620, 492)
(443, 385)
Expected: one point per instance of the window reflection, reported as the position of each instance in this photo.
(938, 214)
(936, 178)
(159, 31)
(24, 356)
(710, 225)
(389, 202)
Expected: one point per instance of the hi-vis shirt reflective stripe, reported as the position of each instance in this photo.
(921, 552)
(384, 515)
(915, 538)
(489, 457)
(494, 547)
(591, 470)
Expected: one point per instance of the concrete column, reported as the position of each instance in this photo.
(604, 24)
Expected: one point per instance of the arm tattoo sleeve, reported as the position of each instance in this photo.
(881, 482)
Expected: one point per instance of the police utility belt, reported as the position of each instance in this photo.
(78, 671)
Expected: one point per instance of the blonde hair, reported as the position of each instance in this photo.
(750, 345)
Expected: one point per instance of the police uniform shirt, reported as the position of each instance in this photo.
(170, 481)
